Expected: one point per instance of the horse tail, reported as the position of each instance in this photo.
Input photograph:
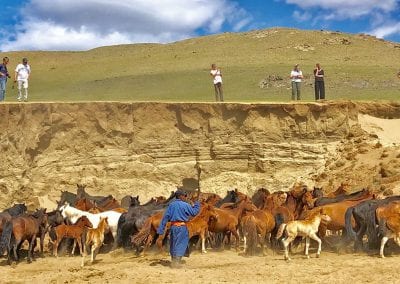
(6, 237)
(142, 236)
(250, 231)
(281, 230)
(372, 232)
(381, 227)
(121, 221)
(351, 234)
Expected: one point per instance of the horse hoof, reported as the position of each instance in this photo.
(382, 256)
(203, 251)
(307, 256)
(318, 255)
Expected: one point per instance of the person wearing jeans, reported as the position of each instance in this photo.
(3, 78)
(296, 75)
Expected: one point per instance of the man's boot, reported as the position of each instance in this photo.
(176, 262)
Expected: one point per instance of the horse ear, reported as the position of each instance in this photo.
(236, 190)
(137, 197)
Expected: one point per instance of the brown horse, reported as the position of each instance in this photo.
(337, 213)
(94, 240)
(6, 215)
(256, 226)
(87, 205)
(21, 228)
(342, 189)
(388, 217)
(259, 197)
(75, 232)
(197, 226)
(228, 220)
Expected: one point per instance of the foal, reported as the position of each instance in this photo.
(71, 231)
(306, 228)
(95, 239)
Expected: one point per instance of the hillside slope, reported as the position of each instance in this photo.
(255, 68)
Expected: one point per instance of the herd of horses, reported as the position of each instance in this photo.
(277, 219)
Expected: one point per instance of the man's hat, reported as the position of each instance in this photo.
(180, 192)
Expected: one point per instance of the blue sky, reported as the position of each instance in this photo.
(86, 24)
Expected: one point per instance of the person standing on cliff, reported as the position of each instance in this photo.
(178, 213)
(22, 73)
(3, 78)
(319, 84)
(217, 80)
(296, 75)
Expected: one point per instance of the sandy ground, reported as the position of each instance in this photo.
(213, 267)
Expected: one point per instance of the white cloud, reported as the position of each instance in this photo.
(348, 8)
(84, 24)
(386, 30)
(301, 17)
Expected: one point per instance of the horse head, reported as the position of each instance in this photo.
(308, 200)
(317, 192)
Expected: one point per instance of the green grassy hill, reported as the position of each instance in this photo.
(356, 66)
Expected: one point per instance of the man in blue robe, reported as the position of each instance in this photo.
(178, 213)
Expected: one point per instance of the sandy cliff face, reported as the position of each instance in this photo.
(151, 148)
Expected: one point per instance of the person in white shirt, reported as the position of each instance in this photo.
(296, 75)
(217, 80)
(22, 73)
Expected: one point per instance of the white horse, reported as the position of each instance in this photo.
(305, 228)
(73, 214)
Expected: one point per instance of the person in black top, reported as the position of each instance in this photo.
(3, 78)
(319, 83)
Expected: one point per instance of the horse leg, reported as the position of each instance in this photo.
(55, 247)
(73, 248)
(383, 243)
(286, 243)
(307, 246)
(93, 247)
(79, 244)
(237, 238)
(358, 244)
(315, 237)
(30, 249)
(203, 241)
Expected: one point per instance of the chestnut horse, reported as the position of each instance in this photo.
(197, 226)
(21, 228)
(228, 220)
(94, 240)
(389, 224)
(75, 232)
(110, 205)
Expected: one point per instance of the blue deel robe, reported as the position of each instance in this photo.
(178, 211)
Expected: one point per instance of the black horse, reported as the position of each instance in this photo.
(7, 214)
(131, 222)
(366, 224)
(129, 200)
(231, 197)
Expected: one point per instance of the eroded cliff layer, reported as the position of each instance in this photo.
(151, 148)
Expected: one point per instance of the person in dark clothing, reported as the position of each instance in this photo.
(3, 78)
(319, 83)
(178, 213)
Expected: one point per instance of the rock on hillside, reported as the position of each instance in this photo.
(151, 148)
